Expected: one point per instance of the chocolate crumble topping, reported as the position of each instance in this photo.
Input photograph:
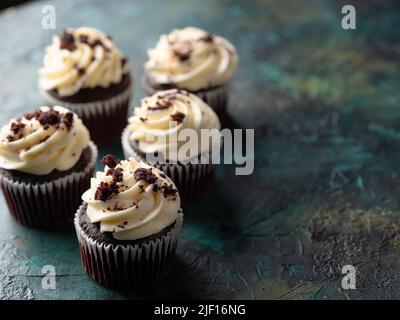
(16, 127)
(109, 161)
(68, 119)
(106, 191)
(209, 37)
(97, 42)
(165, 104)
(146, 175)
(44, 139)
(169, 190)
(67, 41)
(183, 55)
(117, 175)
(81, 71)
(31, 115)
(83, 38)
(178, 116)
(51, 118)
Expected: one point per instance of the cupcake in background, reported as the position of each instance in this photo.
(194, 60)
(46, 162)
(154, 129)
(128, 225)
(85, 72)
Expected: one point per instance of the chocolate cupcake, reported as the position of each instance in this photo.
(194, 60)
(128, 224)
(46, 161)
(166, 132)
(85, 72)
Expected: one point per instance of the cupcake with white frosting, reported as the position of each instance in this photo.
(129, 223)
(167, 129)
(194, 60)
(46, 160)
(84, 71)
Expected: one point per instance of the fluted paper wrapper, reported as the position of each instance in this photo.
(192, 180)
(216, 98)
(105, 119)
(127, 266)
(48, 204)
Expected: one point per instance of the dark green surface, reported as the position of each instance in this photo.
(325, 106)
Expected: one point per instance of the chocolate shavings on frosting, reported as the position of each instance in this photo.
(68, 119)
(16, 127)
(178, 116)
(45, 118)
(67, 41)
(146, 175)
(97, 42)
(208, 37)
(183, 55)
(106, 191)
(168, 190)
(161, 105)
(116, 173)
(110, 161)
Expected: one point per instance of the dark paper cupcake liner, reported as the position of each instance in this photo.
(127, 266)
(105, 119)
(48, 204)
(216, 98)
(192, 180)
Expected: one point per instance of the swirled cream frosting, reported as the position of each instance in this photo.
(191, 59)
(131, 199)
(157, 124)
(42, 141)
(81, 58)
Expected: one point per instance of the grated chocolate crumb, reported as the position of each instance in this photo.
(106, 191)
(146, 175)
(67, 41)
(109, 161)
(178, 116)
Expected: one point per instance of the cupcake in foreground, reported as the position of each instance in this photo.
(46, 162)
(85, 72)
(128, 224)
(194, 60)
(154, 130)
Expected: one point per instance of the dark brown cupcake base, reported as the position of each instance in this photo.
(52, 200)
(125, 264)
(103, 110)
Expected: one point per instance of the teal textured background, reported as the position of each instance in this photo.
(324, 103)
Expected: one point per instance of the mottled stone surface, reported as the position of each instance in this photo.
(325, 106)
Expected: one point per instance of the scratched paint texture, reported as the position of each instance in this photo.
(324, 103)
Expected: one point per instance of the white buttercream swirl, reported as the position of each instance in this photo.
(92, 60)
(191, 59)
(39, 149)
(159, 120)
(140, 209)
